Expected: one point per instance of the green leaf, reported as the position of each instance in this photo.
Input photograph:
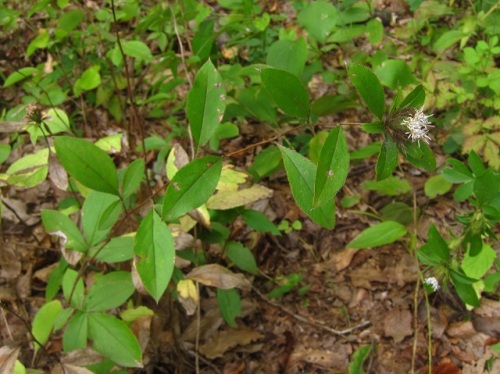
(387, 159)
(137, 49)
(448, 39)
(358, 358)
(436, 252)
(458, 173)
(113, 338)
(419, 155)
(259, 222)
(394, 74)
(133, 177)
(229, 304)
(333, 167)
(44, 321)
(377, 235)
(487, 187)
(466, 292)
(56, 223)
(117, 250)
(319, 19)
(288, 55)
(154, 248)
(70, 20)
(70, 290)
(287, 91)
(241, 256)
(87, 163)
(369, 88)
(436, 185)
(191, 186)
(204, 38)
(301, 173)
(19, 75)
(76, 332)
(205, 104)
(390, 186)
(265, 163)
(477, 266)
(373, 127)
(100, 212)
(55, 280)
(415, 98)
(89, 80)
(109, 291)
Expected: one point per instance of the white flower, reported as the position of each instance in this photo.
(432, 282)
(418, 126)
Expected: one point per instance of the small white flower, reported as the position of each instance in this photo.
(418, 126)
(432, 282)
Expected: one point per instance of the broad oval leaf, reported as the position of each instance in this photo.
(133, 177)
(333, 167)
(301, 173)
(44, 321)
(114, 339)
(241, 256)
(100, 212)
(387, 159)
(377, 235)
(229, 302)
(154, 248)
(288, 55)
(87, 163)
(394, 74)
(191, 186)
(109, 291)
(419, 155)
(75, 334)
(205, 104)
(58, 224)
(287, 91)
(369, 88)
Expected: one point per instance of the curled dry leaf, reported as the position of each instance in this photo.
(72, 257)
(57, 174)
(218, 276)
(82, 357)
(8, 357)
(69, 369)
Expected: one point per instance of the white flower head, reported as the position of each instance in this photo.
(432, 282)
(418, 126)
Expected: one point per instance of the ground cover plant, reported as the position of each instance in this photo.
(248, 186)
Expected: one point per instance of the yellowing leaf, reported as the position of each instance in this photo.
(475, 143)
(232, 199)
(177, 158)
(230, 179)
(188, 296)
(491, 154)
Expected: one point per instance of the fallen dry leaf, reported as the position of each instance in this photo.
(232, 199)
(8, 357)
(227, 339)
(326, 358)
(397, 324)
(218, 276)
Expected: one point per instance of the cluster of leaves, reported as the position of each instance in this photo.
(262, 76)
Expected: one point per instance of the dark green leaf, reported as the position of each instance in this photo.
(75, 334)
(415, 98)
(301, 173)
(113, 338)
(387, 159)
(100, 212)
(333, 167)
(229, 304)
(419, 155)
(259, 222)
(369, 88)
(205, 103)
(287, 91)
(191, 186)
(133, 177)
(155, 254)
(241, 256)
(319, 19)
(87, 163)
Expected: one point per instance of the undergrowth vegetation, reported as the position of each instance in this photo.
(138, 114)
